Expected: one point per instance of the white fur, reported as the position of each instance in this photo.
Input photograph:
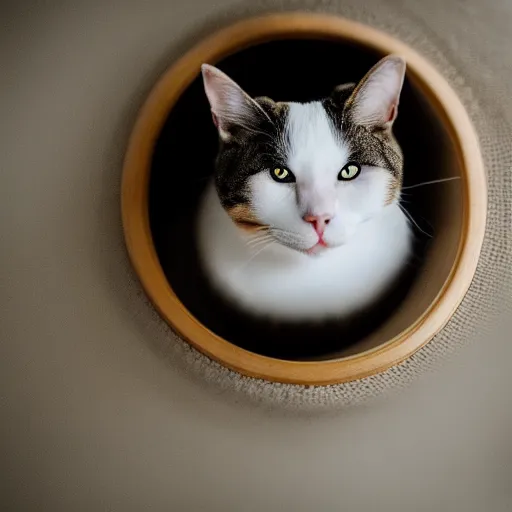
(369, 241)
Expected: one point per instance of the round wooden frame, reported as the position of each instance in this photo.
(136, 216)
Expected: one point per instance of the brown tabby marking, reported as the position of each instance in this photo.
(393, 190)
(245, 219)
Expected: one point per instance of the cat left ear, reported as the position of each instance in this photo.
(374, 102)
(231, 106)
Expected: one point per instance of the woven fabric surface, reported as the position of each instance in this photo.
(478, 72)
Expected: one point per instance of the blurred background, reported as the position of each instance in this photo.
(96, 413)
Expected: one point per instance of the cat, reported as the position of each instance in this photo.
(302, 221)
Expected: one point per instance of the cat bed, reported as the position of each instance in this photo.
(170, 158)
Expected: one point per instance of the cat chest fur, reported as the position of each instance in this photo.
(281, 283)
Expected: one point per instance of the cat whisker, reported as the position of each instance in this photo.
(253, 130)
(258, 235)
(255, 242)
(409, 216)
(290, 234)
(289, 238)
(259, 251)
(262, 110)
(432, 182)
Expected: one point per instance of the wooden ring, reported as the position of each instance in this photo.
(135, 214)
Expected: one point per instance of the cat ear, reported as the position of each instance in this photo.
(374, 101)
(231, 106)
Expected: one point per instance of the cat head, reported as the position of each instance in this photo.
(309, 174)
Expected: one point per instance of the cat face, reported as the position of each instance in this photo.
(311, 174)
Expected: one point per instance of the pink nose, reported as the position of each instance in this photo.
(318, 221)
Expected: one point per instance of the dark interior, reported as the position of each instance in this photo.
(293, 70)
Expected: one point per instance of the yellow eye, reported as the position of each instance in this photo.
(282, 175)
(349, 172)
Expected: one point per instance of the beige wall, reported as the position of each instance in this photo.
(94, 416)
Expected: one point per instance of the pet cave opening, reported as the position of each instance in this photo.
(173, 150)
(183, 161)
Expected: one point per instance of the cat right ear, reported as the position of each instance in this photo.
(231, 107)
(374, 102)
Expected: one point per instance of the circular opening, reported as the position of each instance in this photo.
(171, 155)
(178, 181)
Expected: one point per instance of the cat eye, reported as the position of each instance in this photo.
(349, 172)
(282, 175)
